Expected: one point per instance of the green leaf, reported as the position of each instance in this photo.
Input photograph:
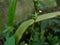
(11, 12)
(39, 43)
(48, 3)
(56, 30)
(8, 32)
(47, 16)
(43, 4)
(10, 41)
(22, 28)
(9, 29)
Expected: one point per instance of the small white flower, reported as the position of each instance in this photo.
(25, 43)
(40, 11)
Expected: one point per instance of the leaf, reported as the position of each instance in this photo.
(22, 28)
(39, 43)
(43, 4)
(11, 12)
(10, 41)
(9, 29)
(8, 32)
(48, 3)
(56, 30)
(47, 16)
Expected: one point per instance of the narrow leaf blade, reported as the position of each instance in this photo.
(22, 28)
(11, 12)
